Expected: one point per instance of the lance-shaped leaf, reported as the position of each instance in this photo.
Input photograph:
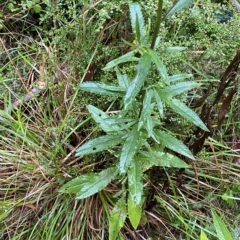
(135, 185)
(175, 49)
(143, 68)
(178, 77)
(203, 236)
(179, 88)
(128, 57)
(178, 6)
(101, 118)
(102, 89)
(134, 212)
(173, 143)
(180, 108)
(146, 108)
(89, 184)
(159, 103)
(99, 144)
(122, 79)
(117, 218)
(137, 20)
(160, 67)
(129, 149)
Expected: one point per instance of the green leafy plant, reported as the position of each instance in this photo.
(136, 136)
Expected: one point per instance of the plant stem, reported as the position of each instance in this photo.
(159, 18)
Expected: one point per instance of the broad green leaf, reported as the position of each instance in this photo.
(99, 144)
(89, 184)
(122, 79)
(203, 236)
(146, 108)
(129, 149)
(134, 212)
(117, 218)
(159, 103)
(128, 57)
(137, 20)
(178, 77)
(180, 108)
(179, 88)
(143, 68)
(220, 227)
(101, 118)
(160, 67)
(173, 143)
(178, 6)
(135, 185)
(175, 49)
(101, 88)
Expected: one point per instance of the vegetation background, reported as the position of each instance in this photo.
(49, 48)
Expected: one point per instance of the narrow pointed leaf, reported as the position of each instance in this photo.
(117, 218)
(99, 144)
(178, 6)
(122, 79)
(175, 49)
(173, 143)
(146, 108)
(135, 185)
(102, 89)
(160, 67)
(129, 149)
(128, 57)
(178, 77)
(159, 103)
(203, 236)
(143, 68)
(180, 108)
(134, 212)
(89, 184)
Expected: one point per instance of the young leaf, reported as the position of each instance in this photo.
(143, 68)
(101, 118)
(180, 108)
(134, 212)
(159, 103)
(175, 49)
(117, 218)
(101, 88)
(99, 144)
(179, 88)
(89, 184)
(135, 185)
(129, 149)
(203, 236)
(122, 79)
(146, 108)
(128, 57)
(137, 20)
(178, 6)
(173, 143)
(178, 77)
(161, 68)
(221, 228)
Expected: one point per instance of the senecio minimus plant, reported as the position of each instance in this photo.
(128, 132)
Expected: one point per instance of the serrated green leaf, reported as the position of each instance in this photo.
(220, 227)
(178, 6)
(143, 68)
(137, 20)
(180, 108)
(203, 236)
(128, 57)
(99, 144)
(122, 79)
(173, 143)
(129, 149)
(175, 49)
(134, 212)
(89, 184)
(135, 185)
(179, 88)
(101, 118)
(160, 66)
(146, 108)
(101, 88)
(117, 218)
(178, 77)
(159, 103)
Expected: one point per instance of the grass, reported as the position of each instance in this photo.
(38, 139)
